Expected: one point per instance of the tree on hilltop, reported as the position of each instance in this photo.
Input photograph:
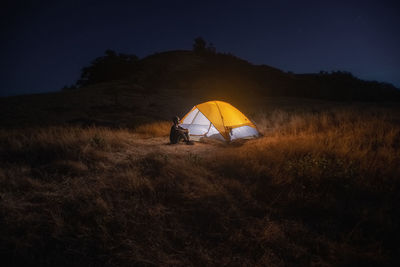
(200, 46)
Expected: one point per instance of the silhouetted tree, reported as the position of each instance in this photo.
(110, 67)
(199, 45)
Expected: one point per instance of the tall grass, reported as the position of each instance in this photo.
(154, 129)
(319, 188)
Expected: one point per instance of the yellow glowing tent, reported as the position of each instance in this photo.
(220, 120)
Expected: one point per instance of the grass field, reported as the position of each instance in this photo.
(321, 187)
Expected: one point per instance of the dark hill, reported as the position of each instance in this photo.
(122, 90)
(218, 75)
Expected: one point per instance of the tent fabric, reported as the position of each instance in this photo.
(218, 119)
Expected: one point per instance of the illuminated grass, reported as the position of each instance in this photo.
(154, 129)
(319, 188)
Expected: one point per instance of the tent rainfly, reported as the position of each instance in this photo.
(219, 120)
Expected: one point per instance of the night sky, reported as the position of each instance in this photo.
(45, 44)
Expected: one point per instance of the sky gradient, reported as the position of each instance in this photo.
(46, 43)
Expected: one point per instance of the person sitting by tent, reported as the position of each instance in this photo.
(178, 133)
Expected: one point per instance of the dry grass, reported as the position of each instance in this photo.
(154, 129)
(320, 188)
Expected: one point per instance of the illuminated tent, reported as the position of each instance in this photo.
(220, 120)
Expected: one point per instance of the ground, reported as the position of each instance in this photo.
(320, 187)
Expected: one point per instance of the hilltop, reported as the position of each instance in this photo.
(119, 90)
(220, 75)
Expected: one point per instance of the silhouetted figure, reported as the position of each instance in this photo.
(178, 133)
